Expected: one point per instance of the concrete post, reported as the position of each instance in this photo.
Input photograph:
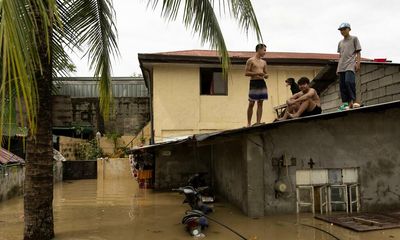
(254, 156)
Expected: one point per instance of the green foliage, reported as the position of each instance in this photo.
(89, 151)
(64, 24)
(114, 137)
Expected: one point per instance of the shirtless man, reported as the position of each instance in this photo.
(256, 69)
(304, 103)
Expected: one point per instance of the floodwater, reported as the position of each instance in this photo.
(113, 207)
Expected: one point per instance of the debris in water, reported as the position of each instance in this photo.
(201, 235)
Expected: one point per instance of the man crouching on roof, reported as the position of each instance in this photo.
(304, 103)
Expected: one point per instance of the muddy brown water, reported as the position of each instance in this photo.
(113, 207)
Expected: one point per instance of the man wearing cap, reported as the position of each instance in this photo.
(349, 49)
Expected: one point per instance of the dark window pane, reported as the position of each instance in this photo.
(212, 82)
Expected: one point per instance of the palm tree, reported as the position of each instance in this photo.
(33, 36)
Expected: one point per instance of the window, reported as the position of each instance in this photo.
(85, 116)
(212, 82)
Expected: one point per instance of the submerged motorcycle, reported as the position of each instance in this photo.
(198, 181)
(194, 219)
(197, 195)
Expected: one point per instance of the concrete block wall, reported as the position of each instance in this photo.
(128, 115)
(62, 111)
(330, 98)
(376, 83)
(69, 147)
(87, 110)
(380, 83)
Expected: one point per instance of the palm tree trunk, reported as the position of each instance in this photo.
(38, 194)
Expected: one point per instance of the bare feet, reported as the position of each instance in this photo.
(356, 105)
(351, 104)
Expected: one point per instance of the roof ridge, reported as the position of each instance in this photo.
(240, 51)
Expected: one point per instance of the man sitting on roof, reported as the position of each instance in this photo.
(304, 103)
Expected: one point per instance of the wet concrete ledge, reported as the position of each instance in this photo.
(76, 170)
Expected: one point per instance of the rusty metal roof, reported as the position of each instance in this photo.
(7, 157)
(87, 87)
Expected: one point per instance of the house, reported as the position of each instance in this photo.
(189, 94)
(76, 105)
(350, 157)
(76, 113)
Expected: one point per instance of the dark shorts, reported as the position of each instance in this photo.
(258, 90)
(317, 110)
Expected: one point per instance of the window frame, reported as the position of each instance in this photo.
(212, 70)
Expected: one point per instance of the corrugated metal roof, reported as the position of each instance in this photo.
(196, 138)
(7, 157)
(87, 87)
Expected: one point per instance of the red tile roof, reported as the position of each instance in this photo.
(247, 54)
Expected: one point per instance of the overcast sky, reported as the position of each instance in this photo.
(286, 25)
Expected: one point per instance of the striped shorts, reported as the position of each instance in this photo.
(258, 90)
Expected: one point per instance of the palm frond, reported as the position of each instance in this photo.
(94, 22)
(199, 15)
(243, 11)
(62, 62)
(19, 57)
(64, 37)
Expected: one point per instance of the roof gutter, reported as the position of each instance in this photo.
(148, 80)
(162, 58)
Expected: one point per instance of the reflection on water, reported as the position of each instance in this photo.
(113, 207)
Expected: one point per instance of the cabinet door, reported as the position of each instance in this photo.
(303, 177)
(319, 177)
(350, 175)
